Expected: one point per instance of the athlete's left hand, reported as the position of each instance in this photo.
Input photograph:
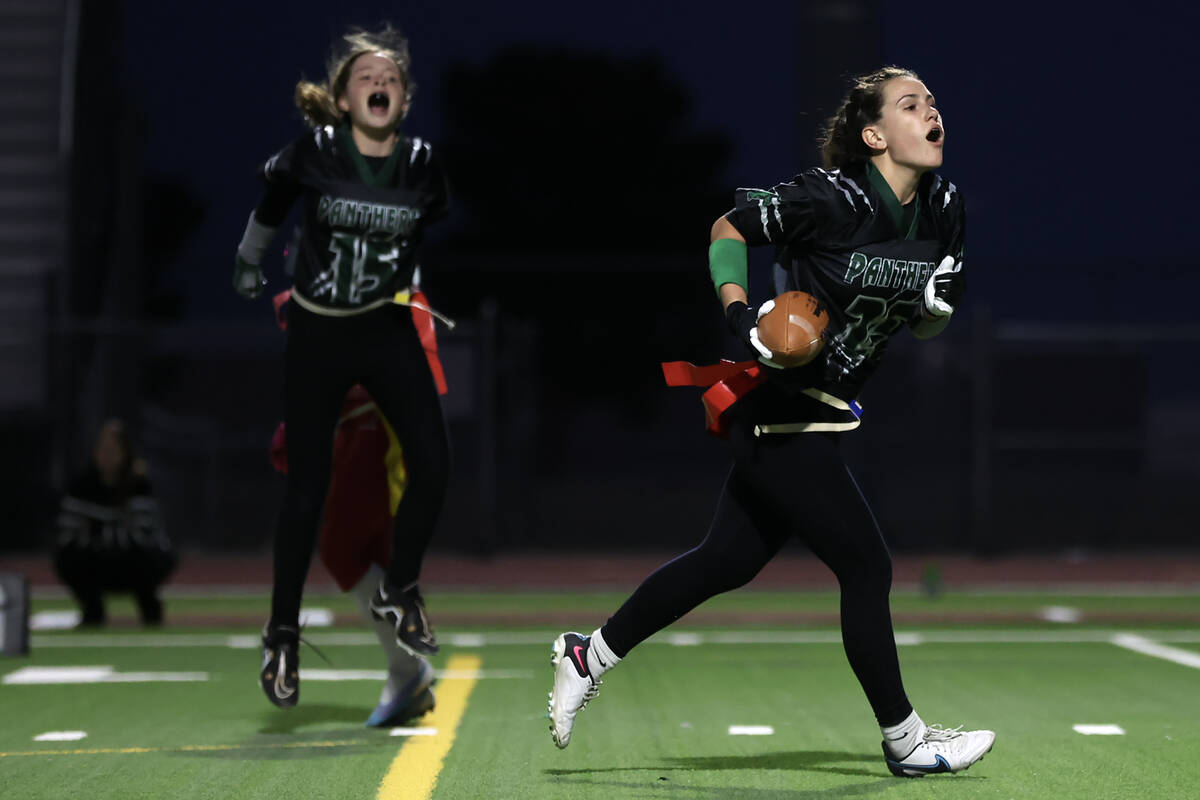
(945, 288)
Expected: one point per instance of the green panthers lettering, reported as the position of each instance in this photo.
(340, 212)
(889, 272)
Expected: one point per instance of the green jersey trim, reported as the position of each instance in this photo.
(905, 217)
(375, 180)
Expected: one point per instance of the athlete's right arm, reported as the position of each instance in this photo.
(727, 262)
(283, 175)
(727, 265)
(248, 278)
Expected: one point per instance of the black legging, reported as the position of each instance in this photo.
(781, 485)
(325, 357)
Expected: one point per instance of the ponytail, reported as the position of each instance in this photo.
(317, 104)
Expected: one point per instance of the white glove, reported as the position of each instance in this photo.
(945, 288)
(764, 351)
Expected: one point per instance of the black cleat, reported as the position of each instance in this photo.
(280, 674)
(405, 611)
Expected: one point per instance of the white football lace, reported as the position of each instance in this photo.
(590, 694)
(936, 733)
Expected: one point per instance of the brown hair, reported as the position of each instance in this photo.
(841, 143)
(318, 101)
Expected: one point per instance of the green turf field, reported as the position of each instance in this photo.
(181, 715)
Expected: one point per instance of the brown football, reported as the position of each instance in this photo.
(792, 329)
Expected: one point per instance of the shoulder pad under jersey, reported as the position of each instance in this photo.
(838, 192)
(419, 151)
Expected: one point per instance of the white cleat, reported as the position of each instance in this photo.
(574, 685)
(941, 750)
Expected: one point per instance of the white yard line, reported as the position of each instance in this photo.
(1140, 644)
(381, 675)
(29, 676)
(685, 638)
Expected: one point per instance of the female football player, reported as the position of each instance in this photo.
(368, 194)
(356, 540)
(877, 238)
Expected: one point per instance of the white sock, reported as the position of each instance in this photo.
(402, 665)
(902, 739)
(601, 658)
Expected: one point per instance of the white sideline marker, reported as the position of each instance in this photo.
(60, 736)
(413, 732)
(316, 618)
(54, 620)
(1064, 614)
(1099, 730)
(751, 730)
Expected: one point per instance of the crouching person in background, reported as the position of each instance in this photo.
(110, 534)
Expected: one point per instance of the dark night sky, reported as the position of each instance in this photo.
(1067, 130)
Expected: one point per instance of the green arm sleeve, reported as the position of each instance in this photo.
(727, 263)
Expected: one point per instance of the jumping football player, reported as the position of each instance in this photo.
(369, 192)
(356, 540)
(877, 237)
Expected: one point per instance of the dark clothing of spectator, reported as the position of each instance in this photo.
(111, 540)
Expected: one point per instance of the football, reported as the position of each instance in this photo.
(792, 329)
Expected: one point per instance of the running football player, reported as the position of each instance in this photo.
(877, 237)
(369, 192)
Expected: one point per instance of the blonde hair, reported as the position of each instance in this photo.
(842, 144)
(318, 101)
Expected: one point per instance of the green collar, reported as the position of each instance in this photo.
(369, 176)
(905, 217)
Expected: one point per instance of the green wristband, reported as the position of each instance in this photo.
(727, 263)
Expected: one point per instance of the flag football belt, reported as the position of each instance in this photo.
(730, 381)
(423, 315)
(404, 297)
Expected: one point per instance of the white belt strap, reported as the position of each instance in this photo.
(400, 298)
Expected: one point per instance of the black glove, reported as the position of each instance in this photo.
(945, 288)
(743, 323)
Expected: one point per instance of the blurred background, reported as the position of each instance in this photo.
(590, 148)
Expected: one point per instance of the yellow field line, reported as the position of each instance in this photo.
(414, 771)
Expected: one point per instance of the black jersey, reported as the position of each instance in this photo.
(842, 236)
(361, 226)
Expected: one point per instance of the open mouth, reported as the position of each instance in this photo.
(378, 101)
(934, 135)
